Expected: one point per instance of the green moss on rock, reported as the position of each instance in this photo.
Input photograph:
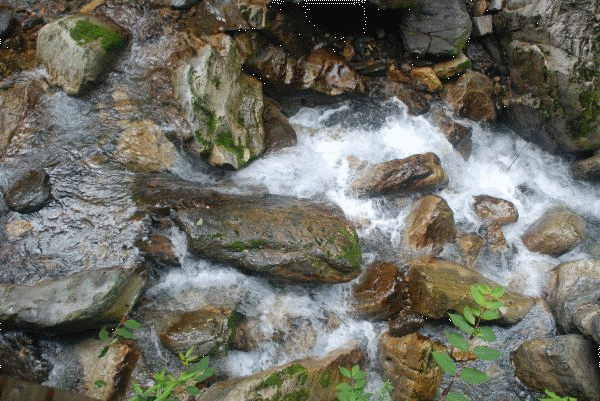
(351, 251)
(85, 32)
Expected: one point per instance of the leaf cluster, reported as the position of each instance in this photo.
(124, 331)
(355, 390)
(551, 396)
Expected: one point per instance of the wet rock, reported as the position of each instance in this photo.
(160, 249)
(114, 368)
(565, 364)
(299, 380)
(327, 72)
(77, 49)
(427, 77)
(555, 232)
(406, 362)
(21, 357)
(278, 131)
(574, 294)
(405, 323)
(436, 28)
(495, 210)
(495, 240)
(281, 237)
(378, 294)
(470, 246)
(482, 25)
(418, 102)
(223, 106)
(7, 23)
(29, 193)
(183, 4)
(18, 228)
(144, 148)
(457, 134)
(587, 169)
(437, 286)
(429, 226)
(479, 8)
(24, 390)
(452, 68)
(75, 303)
(470, 97)
(416, 173)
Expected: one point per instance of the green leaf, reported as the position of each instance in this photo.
(458, 341)
(103, 334)
(344, 387)
(456, 397)
(356, 372)
(490, 314)
(136, 387)
(100, 383)
(486, 333)
(473, 376)
(461, 323)
(193, 390)
(124, 333)
(477, 295)
(487, 353)
(132, 324)
(345, 372)
(495, 304)
(469, 315)
(497, 292)
(445, 362)
(103, 352)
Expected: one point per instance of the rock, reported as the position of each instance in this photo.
(378, 294)
(429, 226)
(418, 102)
(76, 303)
(29, 193)
(144, 148)
(587, 169)
(18, 228)
(574, 294)
(223, 106)
(77, 49)
(159, 249)
(278, 131)
(436, 28)
(427, 77)
(405, 323)
(24, 390)
(470, 246)
(566, 364)
(479, 8)
(482, 25)
(495, 210)
(495, 240)
(281, 237)
(22, 357)
(8, 23)
(406, 362)
(556, 232)
(114, 368)
(495, 6)
(470, 97)
(327, 72)
(437, 286)
(452, 68)
(306, 379)
(183, 4)
(416, 173)
(552, 58)
(457, 134)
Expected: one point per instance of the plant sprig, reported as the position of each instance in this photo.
(355, 390)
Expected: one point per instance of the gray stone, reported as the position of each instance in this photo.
(495, 5)
(30, 193)
(482, 25)
(7, 23)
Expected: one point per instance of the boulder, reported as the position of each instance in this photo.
(307, 379)
(437, 286)
(482, 25)
(404, 323)
(574, 296)
(436, 28)
(29, 193)
(159, 249)
(495, 210)
(378, 294)
(452, 68)
(75, 303)
(555, 232)
(471, 97)
(552, 56)
(22, 357)
(566, 364)
(77, 49)
(406, 362)
(25, 390)
(416, 173)
(326, 72)
(587, 169)
(456, 133)
(469, 246)
(223, 106)
(426, 77)
(278, 131)
(280, 237)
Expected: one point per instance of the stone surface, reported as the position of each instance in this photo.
(429, 226)
(378, 294)
(278, 131)
(557, 231)
(21, 357)
(587, 169)
(437, 28)
(13, 388)
(427, 77)
(565, 364)
(406, 362)
(470, 246)
(29, 193)
(7, 23)
(452, 68)
(159, 249)
(77, 49)
(416, 173)
(470, 97)
(457, 134)
(495, 210)
(482, 25)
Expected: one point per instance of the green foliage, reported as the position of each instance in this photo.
(355, 390)
(487, 305)
(124, 331)
(551, 396)
(85, 32)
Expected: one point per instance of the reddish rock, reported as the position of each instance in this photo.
(378, 294)
(470, 97)
(495, 210)
(556, 232)
(430, 225)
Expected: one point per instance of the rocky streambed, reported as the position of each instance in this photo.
(289, 195)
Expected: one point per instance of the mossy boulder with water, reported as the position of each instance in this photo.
(223, 106)
(77, 49)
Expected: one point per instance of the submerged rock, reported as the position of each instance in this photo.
(280, 237)
(457, 134)
(77, 49)
(555, 232)
(565, 364)
(30, 193)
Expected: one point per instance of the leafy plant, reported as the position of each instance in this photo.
(123, 331)
(487, 307)
(355, 390)
(551, 396)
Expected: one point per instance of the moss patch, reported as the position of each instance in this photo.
(85, 32)
(351, 252)
(242, 246)
(225, 139)
(590, 100)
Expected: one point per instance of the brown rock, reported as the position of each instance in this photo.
(278, 131)
(416, 173)
(469, 246)
(159, 248)
(556, 232)
(452, 68)
(495, 210)
(494, 238)
(144, 148)
(418, 102)
(405, 323)
(378, 294)
(405, 361)
(457, 134)
(470, 97)
(587, 169)
(479, 8)
(430, 225)
(426, 76)
(328, 73)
